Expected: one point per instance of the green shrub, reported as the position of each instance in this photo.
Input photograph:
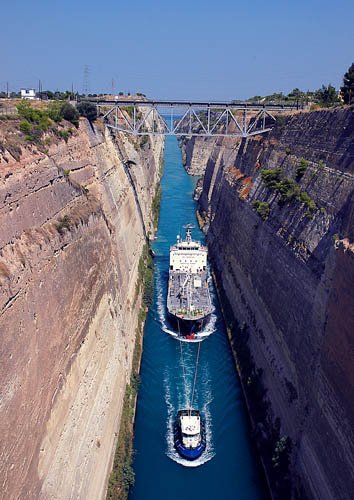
(288, 190)
(54, 111)
(88, 110)
(70, 113)
(156, 202)
(25, 127)
(135, 381)
(63, 224)
(148, 286)
(271, 177)
(262, 209)
(305, 198)
(36, 121)
(65, 134)
(301, 168)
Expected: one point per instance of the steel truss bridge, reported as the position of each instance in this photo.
(184, 118)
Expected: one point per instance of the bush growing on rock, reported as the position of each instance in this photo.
(37, 121)
(70, 114)
(287, 188)
(25, 127)
(63, 224)
(88, 110)
(271, 177)
(301, 168)
(262, 209)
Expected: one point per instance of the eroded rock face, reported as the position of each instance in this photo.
(289, 278)
(70, 242)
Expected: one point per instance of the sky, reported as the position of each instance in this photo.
(186, 49)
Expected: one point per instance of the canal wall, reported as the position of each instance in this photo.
(284, 263)
(70, 242)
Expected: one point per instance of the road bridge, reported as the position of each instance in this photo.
(192, 118)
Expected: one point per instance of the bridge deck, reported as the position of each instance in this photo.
(198, 104)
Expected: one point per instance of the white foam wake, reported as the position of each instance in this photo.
(183, 397)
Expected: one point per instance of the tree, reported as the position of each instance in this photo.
(296, 94)
(326, 96)
(69, 113)
(88, 110)
(347, 90)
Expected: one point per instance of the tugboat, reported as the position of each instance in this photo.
(188, 299)
(189, 434)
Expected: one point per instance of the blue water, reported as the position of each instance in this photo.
(228, 468)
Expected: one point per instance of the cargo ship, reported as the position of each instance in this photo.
(189, 303)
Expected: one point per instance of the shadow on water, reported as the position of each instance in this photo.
(228, 468)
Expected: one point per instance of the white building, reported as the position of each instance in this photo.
(28, 94)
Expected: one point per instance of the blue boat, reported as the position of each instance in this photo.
(189, 434)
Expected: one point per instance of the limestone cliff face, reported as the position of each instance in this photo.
(198, 152)
(70, 241)
(289, 278)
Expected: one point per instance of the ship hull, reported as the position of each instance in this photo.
(189, 329)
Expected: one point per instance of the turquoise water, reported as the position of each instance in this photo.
(228, 468)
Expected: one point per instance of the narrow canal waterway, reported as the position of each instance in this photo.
(228, 468)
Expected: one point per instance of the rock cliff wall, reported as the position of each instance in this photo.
(284, 262)
(70, 241)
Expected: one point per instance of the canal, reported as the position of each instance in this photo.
(228, 469)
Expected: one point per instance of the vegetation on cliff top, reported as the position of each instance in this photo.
(347, 90)
(37, 121)
(88, 110)
(325, 96)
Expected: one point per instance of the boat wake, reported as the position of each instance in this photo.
(203, 399)
(161, 309)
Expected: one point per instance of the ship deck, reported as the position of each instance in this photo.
(177, 300)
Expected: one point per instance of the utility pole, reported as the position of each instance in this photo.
(39, 90)
(7, 90)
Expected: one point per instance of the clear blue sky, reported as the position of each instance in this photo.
(221, 49)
